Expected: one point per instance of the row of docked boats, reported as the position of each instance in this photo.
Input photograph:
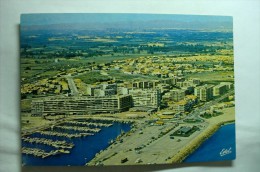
(67, 135)
(77, 128)
(41, 153)
(54, 143)
(94, 124)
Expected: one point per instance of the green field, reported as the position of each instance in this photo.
(216, 76)
(93, 77)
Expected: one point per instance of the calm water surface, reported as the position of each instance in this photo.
(84, 150)
(220, 146)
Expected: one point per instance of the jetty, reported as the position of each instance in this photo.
(76, 128)
(109, 120)
(58, 134)
(95, 124)
(54, 143)
(41, 153)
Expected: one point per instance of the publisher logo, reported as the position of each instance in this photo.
(225, 151)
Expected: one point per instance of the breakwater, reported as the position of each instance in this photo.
(194, 144)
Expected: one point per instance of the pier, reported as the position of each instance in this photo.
(79, 123)
(54, 143)
(58, 134)
(81, 129)
(41, 153)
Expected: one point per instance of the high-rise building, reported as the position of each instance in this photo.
(142, 84)
(91, 89)
(204, 92)
(228, 85)
(122, 91)
(219, 90)
(174, 95)
(102, 90)
(82, 105)
(146, 97)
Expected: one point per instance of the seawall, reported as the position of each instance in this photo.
(195, 143)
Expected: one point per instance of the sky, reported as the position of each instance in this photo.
(59, 18)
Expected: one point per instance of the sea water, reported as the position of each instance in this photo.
(220, 146)
(84, 150)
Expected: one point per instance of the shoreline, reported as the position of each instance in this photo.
(179, 153)
(195, 144)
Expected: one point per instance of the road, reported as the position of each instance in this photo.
(73, 89)
(207, 105)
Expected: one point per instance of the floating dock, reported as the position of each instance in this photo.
(58, 134)
(76, 128)
(79, 123)
(54, 143)
(41, 153)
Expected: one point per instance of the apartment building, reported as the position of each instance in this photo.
(204, 92)
(83, 105)
(146, 97)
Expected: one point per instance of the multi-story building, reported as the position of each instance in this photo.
(181, 106)
(105, 92)
(145, 84)
(193, 100)
(83, 105)
(174, 95)
(170, 81)
(228, 85)
(219, 90)
(184, 105)
(109, 86)
(163, 87)
(204, 92)
(102, 90)
(195, 81)
(122, 91)
(146, 97)
(142, 84)
(91, 89)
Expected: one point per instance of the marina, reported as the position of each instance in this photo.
(71, 142)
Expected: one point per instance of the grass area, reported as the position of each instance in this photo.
(123, 76)
(214, 76)
(28, 122)
(93, 77)
(26, 104)
(49, 73)
(109, 58)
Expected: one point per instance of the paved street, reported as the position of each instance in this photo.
(73, 88)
